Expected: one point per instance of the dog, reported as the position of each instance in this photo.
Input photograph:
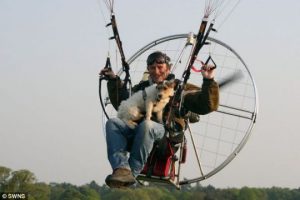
(152, 99)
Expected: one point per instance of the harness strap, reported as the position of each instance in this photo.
(144, 95)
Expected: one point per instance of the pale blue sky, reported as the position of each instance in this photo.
(52, 51)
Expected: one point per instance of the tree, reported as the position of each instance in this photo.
(279, 193)
(71, 194)
(23, 181)
(39, 191)
(89, 193)
(251, 193)
(55, 191)
(19, 181)
(4, 176)
(145, 193)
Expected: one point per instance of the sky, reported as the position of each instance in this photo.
(50, 56)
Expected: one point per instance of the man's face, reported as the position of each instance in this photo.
(158, 72)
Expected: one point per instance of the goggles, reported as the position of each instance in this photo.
(158, 58)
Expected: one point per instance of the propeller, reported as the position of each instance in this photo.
(230, 79)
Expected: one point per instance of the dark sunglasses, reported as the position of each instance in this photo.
(157, 61)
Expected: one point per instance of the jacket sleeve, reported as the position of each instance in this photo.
(116, 92)
(202, 101)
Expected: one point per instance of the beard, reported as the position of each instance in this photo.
(160, 78)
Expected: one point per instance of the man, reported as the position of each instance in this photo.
(138, 142)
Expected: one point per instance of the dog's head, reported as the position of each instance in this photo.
(165, 89)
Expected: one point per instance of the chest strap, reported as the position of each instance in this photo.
(144, 95)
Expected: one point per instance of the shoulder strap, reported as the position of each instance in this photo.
(144, 95)
(141, 86)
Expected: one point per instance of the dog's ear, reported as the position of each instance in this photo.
(171, 84)
(159, 86)
(170, 77)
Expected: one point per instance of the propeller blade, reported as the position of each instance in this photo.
(230, 79)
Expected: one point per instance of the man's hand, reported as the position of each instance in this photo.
(208, 71)
(108, 73)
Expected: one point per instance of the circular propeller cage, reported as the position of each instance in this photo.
(219, 136)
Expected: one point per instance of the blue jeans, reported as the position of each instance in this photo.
(138, 142)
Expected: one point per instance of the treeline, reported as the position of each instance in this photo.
(25, 181)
